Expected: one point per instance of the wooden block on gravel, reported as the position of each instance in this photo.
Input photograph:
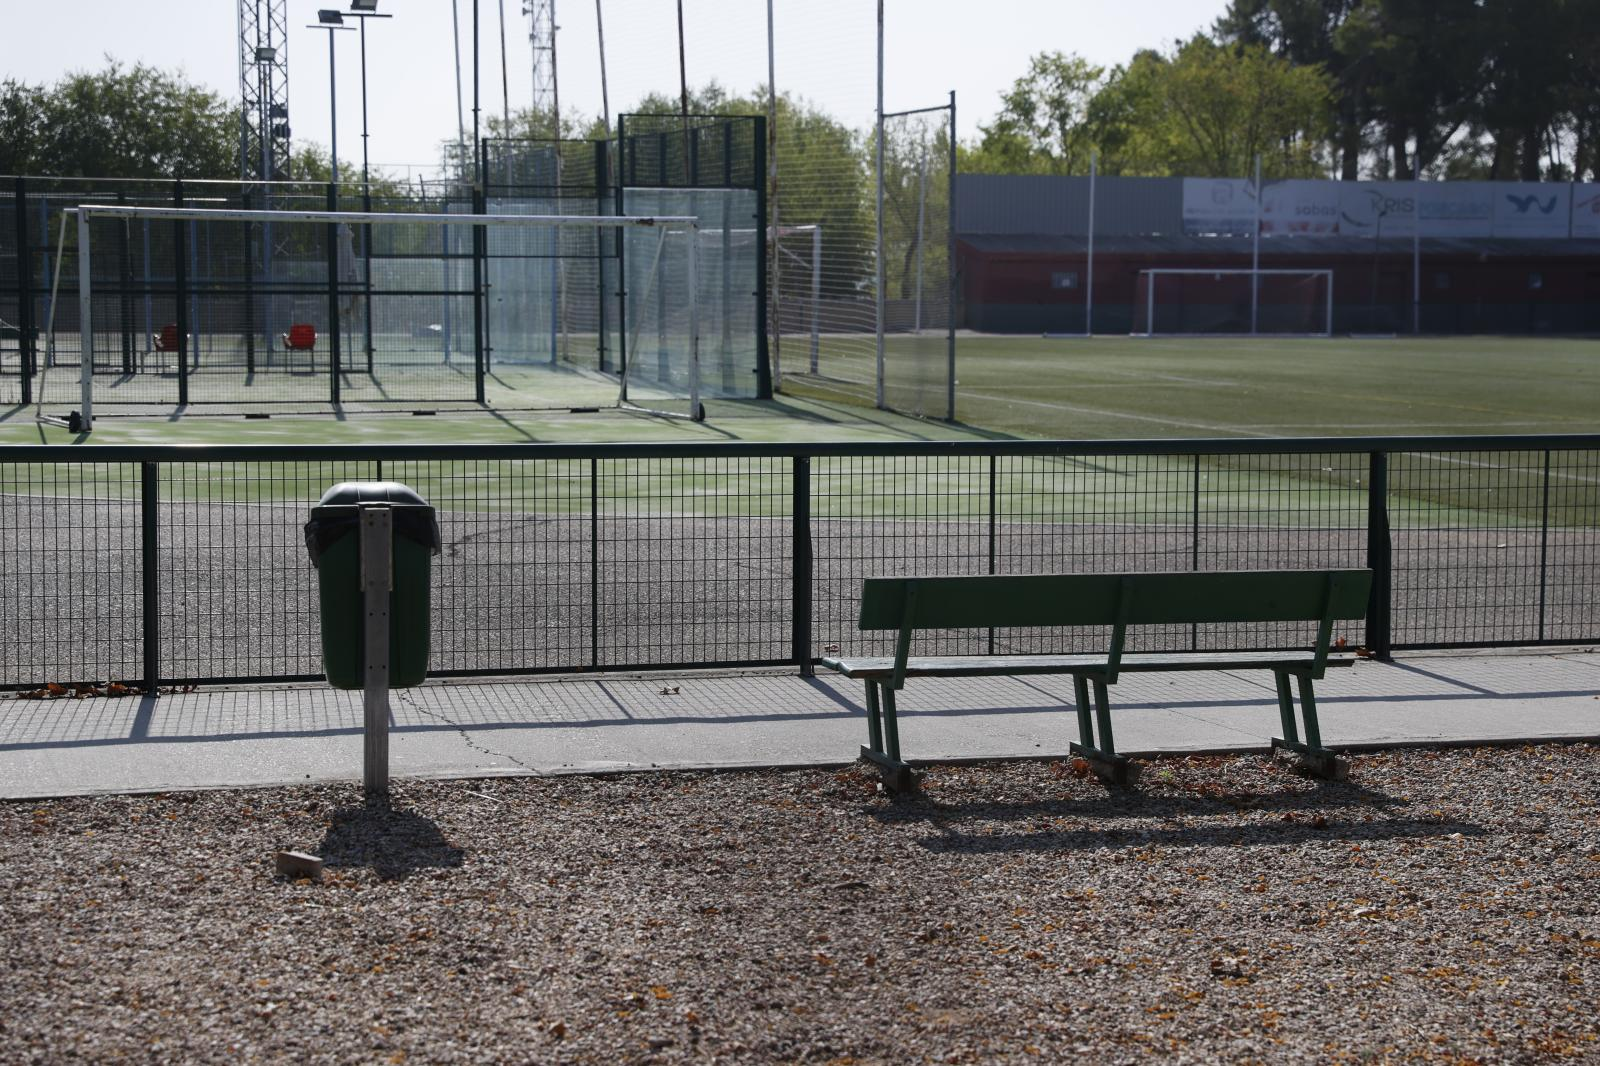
(299, 864)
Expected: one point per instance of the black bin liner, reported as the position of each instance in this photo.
(338, 514)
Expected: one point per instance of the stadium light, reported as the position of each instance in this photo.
(266, 54)
(330, 20)
(364, 10)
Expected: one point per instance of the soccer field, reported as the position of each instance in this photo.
(1121, 387)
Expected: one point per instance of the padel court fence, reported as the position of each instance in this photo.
(205, 312)
(159, 565)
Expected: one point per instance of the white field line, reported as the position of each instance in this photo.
(1498, 466)
(1075, 409)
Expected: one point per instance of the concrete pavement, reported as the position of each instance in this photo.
(272, 735)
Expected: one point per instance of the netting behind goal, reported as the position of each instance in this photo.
(228, 307)
(1240, 302)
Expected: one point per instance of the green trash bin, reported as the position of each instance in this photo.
(333, 539)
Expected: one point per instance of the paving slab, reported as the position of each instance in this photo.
(272, 735)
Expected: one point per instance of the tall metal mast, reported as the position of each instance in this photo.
(263, 89)
(542, 34)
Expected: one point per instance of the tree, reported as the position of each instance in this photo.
(21, 127)
(1306, 33)
(1042, 127)
(122, 122)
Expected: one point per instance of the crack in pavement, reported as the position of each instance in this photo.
(465, 737)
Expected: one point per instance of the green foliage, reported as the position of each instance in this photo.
(1042, 127)
(122, 122)
(1207, 108)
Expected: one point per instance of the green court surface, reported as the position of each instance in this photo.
(1028, 387)
(1130, 387)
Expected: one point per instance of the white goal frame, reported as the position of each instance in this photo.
(662, 225)
(1255, 274)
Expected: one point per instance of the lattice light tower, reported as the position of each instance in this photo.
(546, 95)
(264, 89)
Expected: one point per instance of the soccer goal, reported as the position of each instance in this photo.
(1195, 302)
(179, 306)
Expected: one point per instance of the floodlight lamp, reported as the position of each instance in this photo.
(330, 17)
(363, 5)
(266, 54)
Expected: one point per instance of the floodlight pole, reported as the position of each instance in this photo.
(878, 248)
(366, 179)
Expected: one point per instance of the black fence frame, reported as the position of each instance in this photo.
(803, 590)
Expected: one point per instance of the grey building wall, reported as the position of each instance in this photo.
(1039, 204)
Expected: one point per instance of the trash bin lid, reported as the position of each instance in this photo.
(338, 513)
(350, 493)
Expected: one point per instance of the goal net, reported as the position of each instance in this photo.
(180, 306)
(1174, 302)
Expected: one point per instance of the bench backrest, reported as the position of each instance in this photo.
(907, 604)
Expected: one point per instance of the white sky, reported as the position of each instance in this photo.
(825, 51)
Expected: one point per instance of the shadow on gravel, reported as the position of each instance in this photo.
(394, 844)
(1327, 814)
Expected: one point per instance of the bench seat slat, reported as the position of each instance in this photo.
(1000, 665)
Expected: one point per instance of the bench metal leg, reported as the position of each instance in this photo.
(874, 718)
(883, 732)
(1313, 756)
(1101, 755)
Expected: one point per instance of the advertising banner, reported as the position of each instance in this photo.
(1586, 211)
(1526, 209)
(1382, 209)
(1214, 206)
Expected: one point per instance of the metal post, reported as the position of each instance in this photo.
(766, 358)
(1416, 241)
(695, 410)
(922, 214)
(992, 540)
(366, 198)
(816, 299)
(950, 271)
(1255, 256)
(601, 177)
(1379, 557)
(150, 574)
(594, 563)
(800, 633)
(1088, 282)
(249, 292)
(86, 322)
(333, 114)
(377, 583)
(878, 246)
(27, 353)
(181, 298)
(334, 346)
(769, 189)
(480, 252)
(1544, 542)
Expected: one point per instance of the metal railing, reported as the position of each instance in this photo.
(162, 565)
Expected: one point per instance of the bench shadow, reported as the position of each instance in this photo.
(1329, 813)
(393, 843)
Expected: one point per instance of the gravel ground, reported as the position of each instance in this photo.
(1440, 906)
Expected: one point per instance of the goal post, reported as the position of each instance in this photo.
(1178, 302)
(179, 305)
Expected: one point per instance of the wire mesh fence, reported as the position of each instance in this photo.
(164, 565)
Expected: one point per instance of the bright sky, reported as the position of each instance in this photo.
(824, 51)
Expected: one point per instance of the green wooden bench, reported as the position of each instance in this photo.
(909, 604)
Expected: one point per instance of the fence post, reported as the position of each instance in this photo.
(26, 351)
(594, 563)
(764, 326)
(992, 510)
(803, 571)
(480, 251)
(249, 289)
(150, 574)
(602, 175)
(334, 339)
(1544, 542)
(1379, 558)
(180, 277)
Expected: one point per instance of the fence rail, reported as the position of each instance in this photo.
(164, 565)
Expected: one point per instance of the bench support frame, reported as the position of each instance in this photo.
(883, 739)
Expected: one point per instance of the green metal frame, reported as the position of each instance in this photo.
(1120, 600)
